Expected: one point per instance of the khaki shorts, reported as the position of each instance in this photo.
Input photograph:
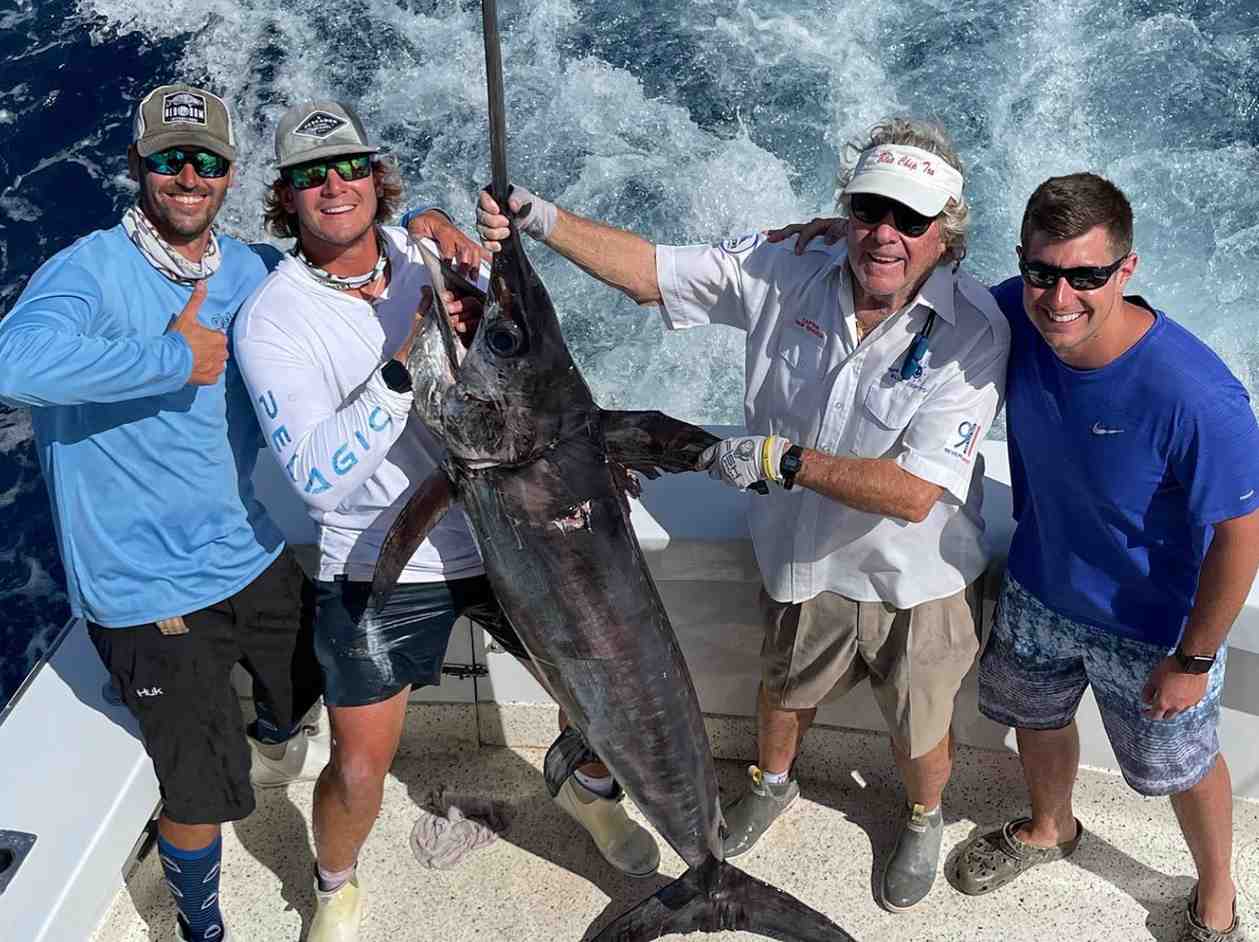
(916, 658)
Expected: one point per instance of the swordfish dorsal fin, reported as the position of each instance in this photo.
(422, 512)
(719, 897)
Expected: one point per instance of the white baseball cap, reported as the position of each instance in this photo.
(919, 179)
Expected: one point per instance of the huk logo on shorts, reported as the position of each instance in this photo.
(183, 108)
(319, 124)
(149, 692)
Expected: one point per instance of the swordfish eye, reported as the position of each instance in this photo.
(505, 339)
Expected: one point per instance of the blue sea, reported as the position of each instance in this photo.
(687, 121)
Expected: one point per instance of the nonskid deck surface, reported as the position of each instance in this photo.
(545, 881)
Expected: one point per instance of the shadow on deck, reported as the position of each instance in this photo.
(545, 881)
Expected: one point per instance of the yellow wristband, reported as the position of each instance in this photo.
(770, 473)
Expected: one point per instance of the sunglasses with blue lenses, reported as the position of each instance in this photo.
(1083, 278)
(871, 209)
(171, 162)
(306, 176)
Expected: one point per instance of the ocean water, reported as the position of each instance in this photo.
(686, 121)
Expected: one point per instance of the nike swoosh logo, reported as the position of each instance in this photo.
(1099, 429)
(1249, 494)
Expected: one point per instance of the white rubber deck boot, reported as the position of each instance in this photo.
(337, 914)
(624, 843)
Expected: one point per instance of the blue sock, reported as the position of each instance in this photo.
(193, 879)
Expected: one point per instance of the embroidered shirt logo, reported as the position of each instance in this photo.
(319, 124)
(968, 438)
(183, 108)
(811, 327)
(1099, 429)
(740, 244)
(1249, 494)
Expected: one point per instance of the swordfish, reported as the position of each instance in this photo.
(541, 471)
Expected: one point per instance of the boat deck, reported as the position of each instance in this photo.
(543, 880)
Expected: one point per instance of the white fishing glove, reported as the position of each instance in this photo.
(534, 216)
(747, 461)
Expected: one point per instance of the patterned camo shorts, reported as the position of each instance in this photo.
(1038, 663)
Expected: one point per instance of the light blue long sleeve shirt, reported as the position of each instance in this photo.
(150, 478)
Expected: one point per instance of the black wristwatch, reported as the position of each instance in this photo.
(1193, 663)
(396, 376)
(789, 466)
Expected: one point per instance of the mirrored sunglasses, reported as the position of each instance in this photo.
(1084, 278)
(306, 176)
(871, 209)
(171, 162)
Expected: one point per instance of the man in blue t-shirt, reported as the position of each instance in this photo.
(1134, 456)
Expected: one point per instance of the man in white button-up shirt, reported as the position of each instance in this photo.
(874, 368)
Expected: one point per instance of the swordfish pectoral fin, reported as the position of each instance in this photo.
(652, 442)
(718, 897)
(422, 512)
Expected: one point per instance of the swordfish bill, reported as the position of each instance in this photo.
(541, 472)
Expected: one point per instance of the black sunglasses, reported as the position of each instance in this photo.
(171, 162)
(306, 176)
(1084, 278)
(872, 210)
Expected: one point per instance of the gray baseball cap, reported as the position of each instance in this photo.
(316, 129)
(183, 116)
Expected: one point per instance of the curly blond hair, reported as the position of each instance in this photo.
(283, 224)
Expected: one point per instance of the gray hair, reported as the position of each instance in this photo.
(929, 136)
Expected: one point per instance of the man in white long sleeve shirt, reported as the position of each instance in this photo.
(322, 347)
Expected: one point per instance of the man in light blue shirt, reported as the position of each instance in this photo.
(147, 443)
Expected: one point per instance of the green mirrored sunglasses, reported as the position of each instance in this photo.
(171, 162)
(305, 176)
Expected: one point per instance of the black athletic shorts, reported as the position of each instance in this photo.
(368, 657)
(179, 687)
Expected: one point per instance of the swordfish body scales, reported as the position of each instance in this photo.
(541, 473)
(559, 549)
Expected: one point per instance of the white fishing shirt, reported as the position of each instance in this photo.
(352, 448)
(809, 380)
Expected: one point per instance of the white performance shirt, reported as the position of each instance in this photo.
(353, 449)
(809, 380)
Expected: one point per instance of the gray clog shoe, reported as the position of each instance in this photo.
(1197, 931)
(994, 859)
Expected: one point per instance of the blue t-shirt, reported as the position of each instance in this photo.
(1119, 473)
(150, 478)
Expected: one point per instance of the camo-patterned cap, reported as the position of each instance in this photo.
(316, 129)
(183, 116)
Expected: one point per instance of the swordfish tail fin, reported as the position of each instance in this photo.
(717, 896)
